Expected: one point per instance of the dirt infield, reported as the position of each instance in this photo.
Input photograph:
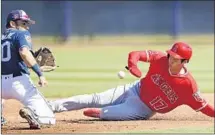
(75, 122)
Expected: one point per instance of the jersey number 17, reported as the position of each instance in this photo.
(158, 103)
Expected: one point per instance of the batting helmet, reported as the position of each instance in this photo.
(19, 15)
(180, 50)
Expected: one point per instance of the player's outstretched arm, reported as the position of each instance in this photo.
(197, 102)
(208, 110)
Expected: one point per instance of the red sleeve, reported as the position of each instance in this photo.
(145, 56)
(193, 96)
(208, 110)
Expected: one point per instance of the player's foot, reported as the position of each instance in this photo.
(55, 107)
(30, 117)
(93, 112)
(3, 121)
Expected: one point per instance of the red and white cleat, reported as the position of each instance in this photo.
(93, 112)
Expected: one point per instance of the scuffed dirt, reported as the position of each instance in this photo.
(76, 122)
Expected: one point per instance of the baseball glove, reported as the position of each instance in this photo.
(45, 59)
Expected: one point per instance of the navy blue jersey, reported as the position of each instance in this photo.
(11, 61)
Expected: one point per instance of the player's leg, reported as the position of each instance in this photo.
(132, 109)
(37, 112)
(5, 94)
(97, 100)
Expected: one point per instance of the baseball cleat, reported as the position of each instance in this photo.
(93, 112)
(30, 117)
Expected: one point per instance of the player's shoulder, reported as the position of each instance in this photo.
(23, 33)
(190, 82)
(161, 56)
(16, 34)
(188, 78)
(157, 54)
(157, 57)
(9, 34)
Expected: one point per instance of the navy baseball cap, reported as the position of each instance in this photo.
(19, 15)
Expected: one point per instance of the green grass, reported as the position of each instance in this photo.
(127, 39)
(87, 69)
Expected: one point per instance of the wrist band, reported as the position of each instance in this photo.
(37, 70)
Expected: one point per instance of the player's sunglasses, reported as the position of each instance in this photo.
(26, 23)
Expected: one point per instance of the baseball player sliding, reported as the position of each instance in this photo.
(16, 59)
(167, 85)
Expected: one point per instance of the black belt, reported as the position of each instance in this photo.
(15, 74)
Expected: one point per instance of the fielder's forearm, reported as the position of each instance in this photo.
(27, 57)
(29, 60)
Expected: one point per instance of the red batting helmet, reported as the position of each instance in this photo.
(180, 50)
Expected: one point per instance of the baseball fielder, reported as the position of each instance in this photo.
(16, 82)
(167, 85)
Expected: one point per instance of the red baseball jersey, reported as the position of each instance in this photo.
(161, 90)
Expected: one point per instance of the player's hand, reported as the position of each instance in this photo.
(42, 81)
(134, 71)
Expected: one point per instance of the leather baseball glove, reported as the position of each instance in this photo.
(45, 59)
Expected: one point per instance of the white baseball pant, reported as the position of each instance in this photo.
(22, 89)
(120, 103)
